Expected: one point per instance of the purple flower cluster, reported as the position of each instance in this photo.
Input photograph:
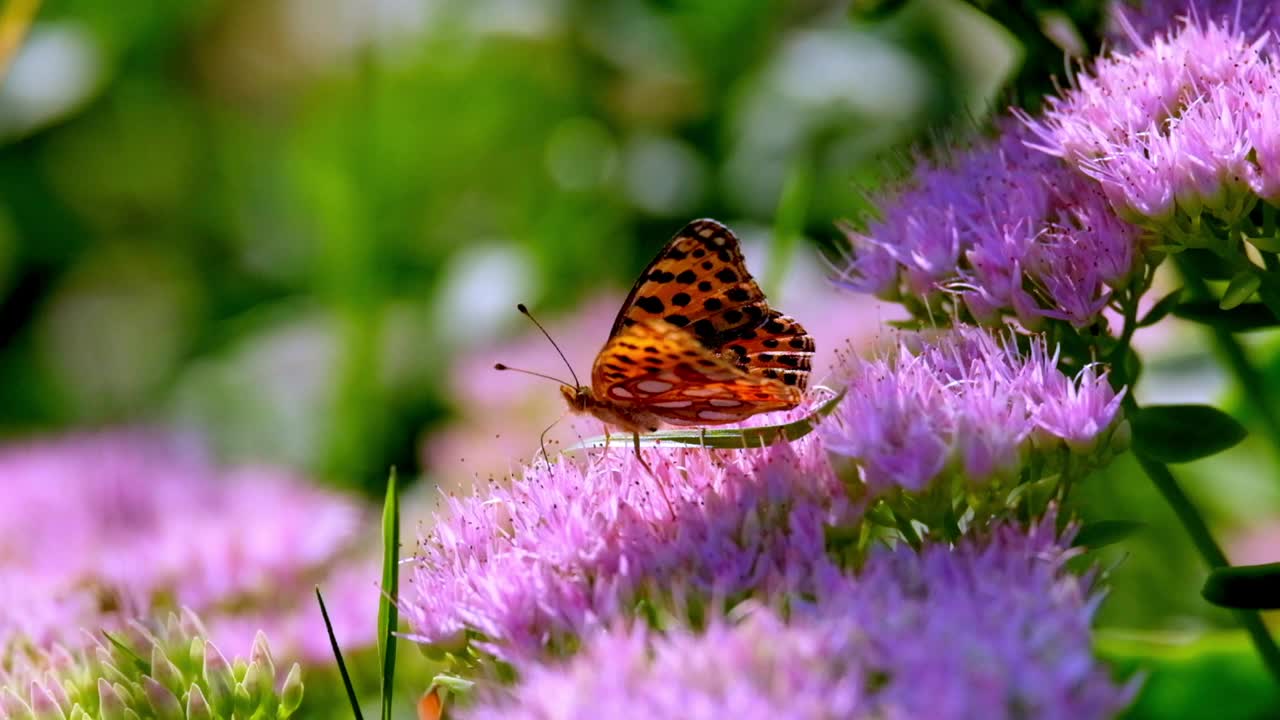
(520, 568)
(991, 629)
(968, 406)
(1182, 125)
(99, 528)
(1134, 21)
(1008, 231)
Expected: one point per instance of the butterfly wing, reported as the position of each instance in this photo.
(780, 349)
(653, 367)
(699, 281)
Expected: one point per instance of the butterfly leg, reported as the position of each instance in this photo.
(643, 464)
(657, 481)
(604, 453)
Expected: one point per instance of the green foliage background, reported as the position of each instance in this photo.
(279, 221)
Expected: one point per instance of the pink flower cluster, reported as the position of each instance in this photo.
(1134, 21)
(1183, 124)
(970, 406)
(996, 628)
(1008, 231)
(99, 528)
(519, 568)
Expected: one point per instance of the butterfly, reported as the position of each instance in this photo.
(431, 705)
(695, 343)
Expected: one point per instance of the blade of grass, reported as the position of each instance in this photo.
(788, 226)
(732, 437)
(388, 612)
(337, 655)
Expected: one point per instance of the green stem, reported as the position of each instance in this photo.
(1209, 550)
(1213, 556)
(1130, 327)
(908, 531)
(1253, 384)
(351, 257)
(1269, 292)
(1187, 514)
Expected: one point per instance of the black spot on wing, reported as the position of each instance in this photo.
(704, 329)
(650, 304)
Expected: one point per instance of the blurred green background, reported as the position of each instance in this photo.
(281, 222)
(277, 221)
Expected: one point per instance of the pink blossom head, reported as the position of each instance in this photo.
(994, 627)
(998, 232)
(524, 566)
(1175, 126)
(967, 410)
(103, 527)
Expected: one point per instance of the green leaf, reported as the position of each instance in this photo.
(1132, 364)
(291, 692)
(1207, 265)
(874, 10)
(388, 611)
(1182, 433)
(337, 656)
(1102, 533)
(1242, 318)
(453, 682)
(728, 438)
(1184, 673)
(1241, 287)
(1244, 587)
(141, 664)
(1265, 243)
(1162, 308)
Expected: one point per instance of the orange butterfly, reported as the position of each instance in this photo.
(431, 705)
(695, 343)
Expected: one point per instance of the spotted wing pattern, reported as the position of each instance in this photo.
(699, 281)
(779, 349)
(653, 367)
(695, 343)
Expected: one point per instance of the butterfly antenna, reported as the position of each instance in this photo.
(500, 366)
(524, 310)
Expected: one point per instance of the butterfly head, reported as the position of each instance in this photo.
(578, 397)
